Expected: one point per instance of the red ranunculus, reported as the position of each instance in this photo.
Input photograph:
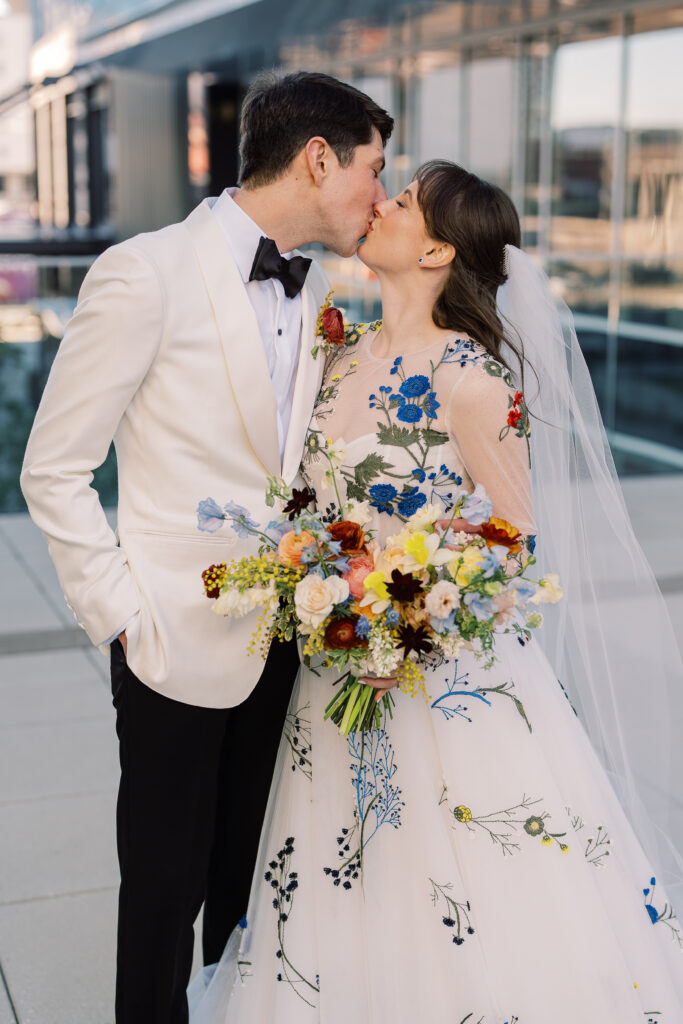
(340, 634)
(351, 536)
(333, 326)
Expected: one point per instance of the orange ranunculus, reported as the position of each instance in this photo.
(499, 531)
(351, 536)
(333, 326)
(341, 634)
(291, 545)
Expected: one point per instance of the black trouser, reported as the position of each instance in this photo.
(193, 794)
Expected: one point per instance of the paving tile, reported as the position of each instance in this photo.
(54, 686)
(73, 758)
(22, 605)
(59, 958)
(58, 846)
(6, 1013)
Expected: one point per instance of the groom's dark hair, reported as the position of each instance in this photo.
(281, 113)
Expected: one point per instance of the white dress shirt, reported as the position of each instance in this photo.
(279, 318)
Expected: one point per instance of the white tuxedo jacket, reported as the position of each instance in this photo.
(164, 355)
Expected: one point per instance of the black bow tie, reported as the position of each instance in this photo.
(269, 263)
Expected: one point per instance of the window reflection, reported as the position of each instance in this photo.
(653, 216)
(652, 293)
(583, 122)
(649, 393)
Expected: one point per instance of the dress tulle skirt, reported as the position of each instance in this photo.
(468, 863)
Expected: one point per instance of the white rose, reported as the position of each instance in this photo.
(442, 599)
(425, 516)
(315, 597)
(358, 512)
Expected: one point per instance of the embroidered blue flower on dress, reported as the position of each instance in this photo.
(410, 501)
(415, 386)
(382, 496)
(409, 413)
(419, 474)
(431, 405)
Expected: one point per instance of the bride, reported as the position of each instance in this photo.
(493, 854)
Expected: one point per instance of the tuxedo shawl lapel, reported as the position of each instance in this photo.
(245, 357)
(308, 377)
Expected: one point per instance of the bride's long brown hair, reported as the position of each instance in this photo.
(478, 219)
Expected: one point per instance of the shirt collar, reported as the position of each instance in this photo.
(242, 232)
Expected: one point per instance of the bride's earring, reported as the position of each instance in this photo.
(421, 260)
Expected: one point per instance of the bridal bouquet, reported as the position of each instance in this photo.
(376, 610)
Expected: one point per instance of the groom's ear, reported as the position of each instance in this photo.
(440, 255)
(317, 154)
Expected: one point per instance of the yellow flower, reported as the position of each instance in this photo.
(376, 593)
(547, 841)
(564, 847)
(464, 567)
(423, 550)
(462, 813)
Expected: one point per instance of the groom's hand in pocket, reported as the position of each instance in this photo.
(124, 642)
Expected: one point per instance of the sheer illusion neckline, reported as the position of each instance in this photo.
(441, 343)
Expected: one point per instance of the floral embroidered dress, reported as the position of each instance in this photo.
(468, 862)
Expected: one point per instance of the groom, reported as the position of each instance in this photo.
(191, 348)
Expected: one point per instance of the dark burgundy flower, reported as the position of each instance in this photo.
(351, 536)
(404, 588)
(213, 578)
(414, 638)
(341, 634)
(333, 326)
(298, 502)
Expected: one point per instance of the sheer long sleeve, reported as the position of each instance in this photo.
(486, 425)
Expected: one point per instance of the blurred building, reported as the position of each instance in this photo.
(572, 106)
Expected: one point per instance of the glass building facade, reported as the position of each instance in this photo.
(571, 106)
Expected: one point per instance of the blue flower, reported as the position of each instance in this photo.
(654, 916)
(431, 405)
(492, 559)
(240, 519)
(532, 543)
(481, 607)
(392, 617)
(383, 492)
(394, 369)
(362, 628)
(477, 507)
(419, 473)
(444, 625)
(415, 386)
(409, 413)
(411, 501)
(398, 360)
(209, 516)
(277, 528)
(309, 554)
(243, 922)
(383, 495)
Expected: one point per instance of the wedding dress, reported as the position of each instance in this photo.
(468, 862)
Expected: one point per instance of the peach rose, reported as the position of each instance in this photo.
(291, 545)
(359, 568)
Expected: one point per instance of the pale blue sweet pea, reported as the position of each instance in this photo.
(477, 507)
(492, 559)
(309, 554)
(444, 625)
(481, 607)
(523, 588)
(240, 519)
(277, 528)
(210, 516)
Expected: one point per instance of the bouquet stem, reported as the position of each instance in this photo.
(354, 708)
